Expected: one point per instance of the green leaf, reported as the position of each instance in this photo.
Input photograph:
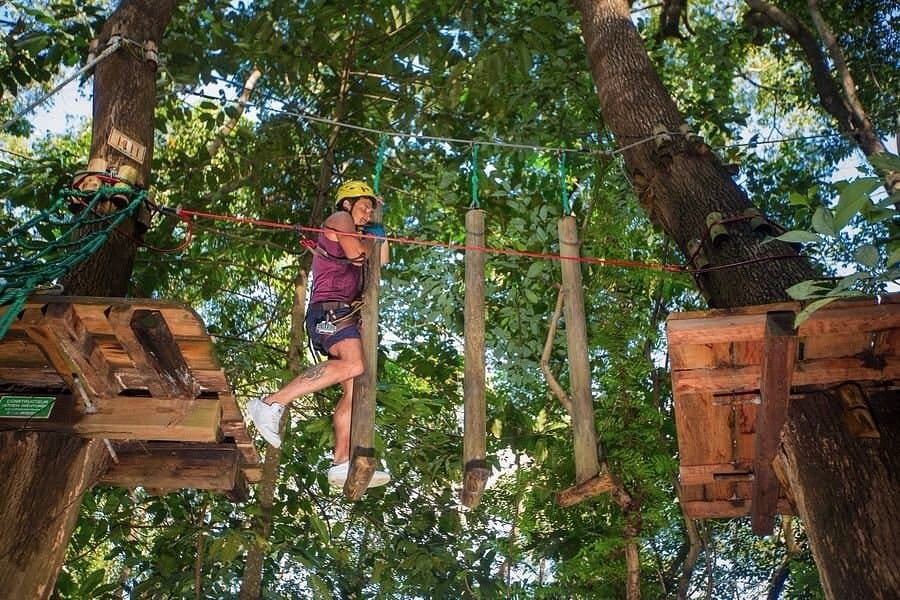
(867, 256)
(885, 161)
(796, 199)
(534, 270)
(823, 222)
(805, 290)
(854, 196)
(804, 314)
(894, 257)
(319, 526)
(799, 236)
(849, 281)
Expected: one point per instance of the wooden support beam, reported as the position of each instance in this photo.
(705, 474)
(134, 418)
(362, 420)
(172, 466)
(587, 462)
(153, 350)
(779, 355)
(475, 473)
(70, 348)
(595, 486)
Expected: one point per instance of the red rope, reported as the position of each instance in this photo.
(611, 262)
(410, 241)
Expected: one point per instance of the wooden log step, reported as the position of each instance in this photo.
(595, 486)
(475, 477)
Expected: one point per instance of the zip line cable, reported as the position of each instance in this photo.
(499, 144)
(115, 42)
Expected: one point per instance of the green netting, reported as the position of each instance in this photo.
(44, 248)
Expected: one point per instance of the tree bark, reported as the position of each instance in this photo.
(45, 475)
(846, 493)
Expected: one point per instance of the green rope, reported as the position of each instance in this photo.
(379, 162)
(563, 192)
(473, 177)
(54, 250)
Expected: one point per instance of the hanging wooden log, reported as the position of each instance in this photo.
(362, 423)
(587, 465)
(475, 467)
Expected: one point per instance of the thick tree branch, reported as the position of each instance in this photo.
(841, 102)
(214, 146)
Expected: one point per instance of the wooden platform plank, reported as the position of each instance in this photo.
(748, 323)
(703, 434)
(171, 466)
(130, 418)
(808, 372)
(129, 388)
(723, 509)
(705, 474)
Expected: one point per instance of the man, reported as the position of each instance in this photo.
(332, 323)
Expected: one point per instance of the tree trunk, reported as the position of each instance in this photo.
(679, 181)
(852, 519)
(251, 583)
(847, 492)
(45, 474)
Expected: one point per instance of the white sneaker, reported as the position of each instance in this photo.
(267, 418)
(337, 475)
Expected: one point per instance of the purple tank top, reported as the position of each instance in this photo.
(334, 281)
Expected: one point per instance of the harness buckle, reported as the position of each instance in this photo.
(326, 328)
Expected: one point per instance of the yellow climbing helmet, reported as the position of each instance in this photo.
(353, 189)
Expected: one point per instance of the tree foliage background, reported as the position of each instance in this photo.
(436, 76)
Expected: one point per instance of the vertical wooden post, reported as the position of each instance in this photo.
(362, 420)
(587, 464)
(476, 472)
(779, 355)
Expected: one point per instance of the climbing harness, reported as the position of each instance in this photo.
(330, 318)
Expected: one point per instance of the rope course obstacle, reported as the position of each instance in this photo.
(139, 374)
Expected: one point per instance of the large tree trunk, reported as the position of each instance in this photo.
(46, 474)
(680, 182)
(847, 491)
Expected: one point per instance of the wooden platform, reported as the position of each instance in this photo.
(141, 373)
(733, 374)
